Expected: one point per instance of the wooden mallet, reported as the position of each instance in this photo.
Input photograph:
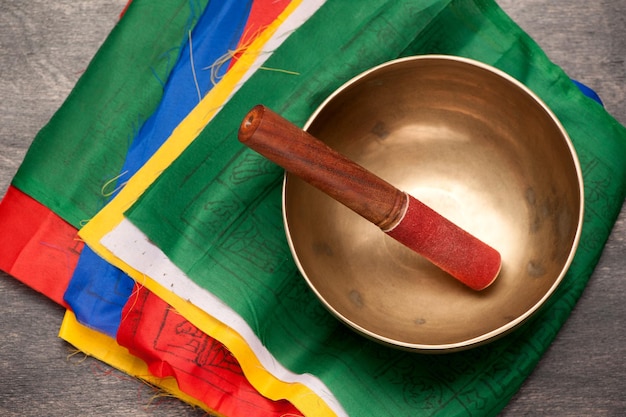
(397, 213)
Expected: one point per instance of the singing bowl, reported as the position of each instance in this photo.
(472, 143)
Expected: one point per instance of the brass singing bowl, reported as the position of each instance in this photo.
(478, 147)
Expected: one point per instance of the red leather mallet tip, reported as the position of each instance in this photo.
(448, 246)
(398, 214)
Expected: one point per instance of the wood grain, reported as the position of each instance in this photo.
(321, 166)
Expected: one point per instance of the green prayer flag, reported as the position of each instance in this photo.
(84, 146)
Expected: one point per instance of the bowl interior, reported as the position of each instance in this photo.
(475, 146)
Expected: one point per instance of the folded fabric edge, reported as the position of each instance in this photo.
(263, 375)
(186, 132)
(303, 399)
(106, 349)
(50, 279)
(81, 242)
(98, 91)
(40, 249)
(203, 367)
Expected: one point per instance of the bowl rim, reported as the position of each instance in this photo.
(495, 333)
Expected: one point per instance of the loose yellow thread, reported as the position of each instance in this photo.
(76, 352)
(216, 66)
(134, 296)
(243, 46)
(173, 310)
(107, 184)
(159, 393)
(235, 54)
(284, 71)
(193, 68)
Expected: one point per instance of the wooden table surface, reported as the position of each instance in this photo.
(44, 47)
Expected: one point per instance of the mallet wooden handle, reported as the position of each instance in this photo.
(400, 215)
(315, 162)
